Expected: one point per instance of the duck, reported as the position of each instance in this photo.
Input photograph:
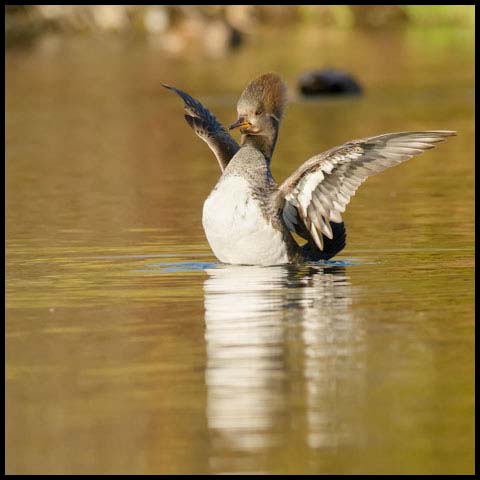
(250, 219)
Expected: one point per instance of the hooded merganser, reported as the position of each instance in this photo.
(249, 219)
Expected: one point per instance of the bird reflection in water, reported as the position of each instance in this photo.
(280, 341)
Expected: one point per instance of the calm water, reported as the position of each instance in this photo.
(129, 349)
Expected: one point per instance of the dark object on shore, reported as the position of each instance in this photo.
(328, 82)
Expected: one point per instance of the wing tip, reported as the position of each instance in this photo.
(440, 135)
(429, 138)
(184, 96)
(443, 133)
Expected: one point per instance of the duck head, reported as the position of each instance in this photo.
(260, 108)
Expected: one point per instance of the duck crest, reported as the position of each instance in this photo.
(269, 90)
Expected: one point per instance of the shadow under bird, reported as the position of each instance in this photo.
(248, 218)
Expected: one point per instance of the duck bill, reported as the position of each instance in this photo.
(240, 123)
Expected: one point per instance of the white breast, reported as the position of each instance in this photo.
(236, 228)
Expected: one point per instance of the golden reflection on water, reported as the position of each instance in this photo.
(130, 350)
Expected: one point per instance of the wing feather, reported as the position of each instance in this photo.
(319, 191)
(208, 128)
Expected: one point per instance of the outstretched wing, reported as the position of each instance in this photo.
(208, 128)
(318, 192)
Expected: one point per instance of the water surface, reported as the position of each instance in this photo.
(130, 349)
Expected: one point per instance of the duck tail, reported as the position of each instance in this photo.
(330, 247)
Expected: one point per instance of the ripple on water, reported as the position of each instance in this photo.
(172, 267)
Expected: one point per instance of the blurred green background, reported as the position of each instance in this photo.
(214, 29)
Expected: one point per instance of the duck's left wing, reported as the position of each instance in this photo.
(208, 128)
(318, 192)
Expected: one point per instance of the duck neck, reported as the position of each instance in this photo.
(263, 143)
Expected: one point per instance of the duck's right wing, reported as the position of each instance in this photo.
(318, 192)
(208, 128)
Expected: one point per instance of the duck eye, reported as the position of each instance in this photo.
(258, 112)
